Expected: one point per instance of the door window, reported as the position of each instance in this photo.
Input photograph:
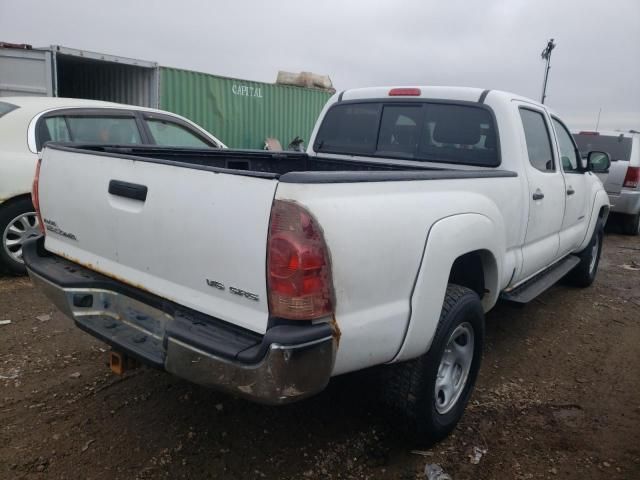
(105, 130)
(171, 134)
(568, 152)
(538, 140)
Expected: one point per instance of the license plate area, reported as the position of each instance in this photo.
(122, 322)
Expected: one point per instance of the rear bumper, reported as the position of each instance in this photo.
(288, 363)
(627, 202)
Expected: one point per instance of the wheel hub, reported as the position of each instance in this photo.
(454, 368)
(18, 231)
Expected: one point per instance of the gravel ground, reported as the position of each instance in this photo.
(558, 397)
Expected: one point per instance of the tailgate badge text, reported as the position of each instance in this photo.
(234, 290)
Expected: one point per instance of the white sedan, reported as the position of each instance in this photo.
(26, 123)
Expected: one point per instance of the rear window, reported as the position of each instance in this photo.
(6, 108)
(617, 146)
(427, 132)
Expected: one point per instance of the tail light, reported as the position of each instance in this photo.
(632, 178)
(35, 196)
(298, 266)
(404, 92)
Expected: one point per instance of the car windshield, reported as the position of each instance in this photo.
(617, 146)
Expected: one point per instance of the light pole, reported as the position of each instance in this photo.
(546, 55)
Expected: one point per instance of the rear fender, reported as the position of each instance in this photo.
(447, 240)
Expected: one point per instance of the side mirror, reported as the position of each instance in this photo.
(598, 162)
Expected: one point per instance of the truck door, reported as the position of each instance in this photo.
(546, 192)
(576, 219)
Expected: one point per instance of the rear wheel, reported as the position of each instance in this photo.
(433, 390)
(18, 223)
(631, 224)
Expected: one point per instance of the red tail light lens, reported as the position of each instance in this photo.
(632, 178)
(35, 196)
(298, 267)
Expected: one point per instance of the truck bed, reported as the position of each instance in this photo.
(288, 167)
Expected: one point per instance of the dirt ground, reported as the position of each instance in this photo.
(558, 397)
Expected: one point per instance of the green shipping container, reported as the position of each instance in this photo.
(241, 113)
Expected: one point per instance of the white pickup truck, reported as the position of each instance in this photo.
(265, 274)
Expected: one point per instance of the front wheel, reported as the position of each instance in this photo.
(585, 272)
(18, 223)
(434, 389)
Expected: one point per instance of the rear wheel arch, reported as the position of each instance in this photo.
(476, 270)
(470, 239)
(16, 199)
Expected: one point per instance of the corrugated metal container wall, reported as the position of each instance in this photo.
(100, 80)
(241, 113)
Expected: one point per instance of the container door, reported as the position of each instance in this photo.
(25, 72)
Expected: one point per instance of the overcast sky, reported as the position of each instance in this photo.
(488, 44)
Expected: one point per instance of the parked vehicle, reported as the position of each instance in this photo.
(623, 181)
(26, 123)
(413, 211)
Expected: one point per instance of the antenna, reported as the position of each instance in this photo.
(598, 121)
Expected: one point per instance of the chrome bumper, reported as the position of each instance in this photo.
(627, 202)
(285, 373)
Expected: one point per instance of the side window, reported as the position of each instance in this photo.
(568, 152)
(56, 130)
(171, 134)
(538, 140)
(51, 129)
(107, 130)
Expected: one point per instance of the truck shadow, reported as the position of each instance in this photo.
(219, 433)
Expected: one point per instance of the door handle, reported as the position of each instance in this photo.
(128, 190)
(538, 195)
(570, 191)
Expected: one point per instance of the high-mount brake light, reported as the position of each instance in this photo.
(588, 133)
(35, 196)
(298, 267)
(632, 178)
(405, 92)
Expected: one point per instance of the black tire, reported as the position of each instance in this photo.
(585, 272)
(411, 386)
(631, 224)
(8, 213)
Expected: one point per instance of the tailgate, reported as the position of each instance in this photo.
(191, 235)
